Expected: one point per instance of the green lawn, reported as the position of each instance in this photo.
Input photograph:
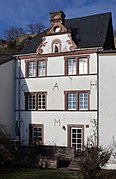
(34, 173)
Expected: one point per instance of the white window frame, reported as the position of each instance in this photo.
(77, 137)
(72, 66)
(41, 65)
(83, 101)
(41, 101)
(83, 65)
(71, 101)
(31, 102)
(77, 100)
(32, 69)
(36, 133)
(36, 137)
(35, 101)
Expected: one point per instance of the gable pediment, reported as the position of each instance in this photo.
(56, 43)
(57, 28)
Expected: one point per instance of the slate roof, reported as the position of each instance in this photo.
(5, 59)
(87, 32)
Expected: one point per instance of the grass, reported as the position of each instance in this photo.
(35, 173)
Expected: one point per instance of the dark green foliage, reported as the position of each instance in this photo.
(92, 160)
(12, 44)
(7, 148)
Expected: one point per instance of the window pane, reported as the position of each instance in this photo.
(36, 134)
(83, 66)
(31, 102)
(76, 138)
(71, 66)
(41, 101)
(41, 68)
(72, 101)
(83, 101)
(31, 69)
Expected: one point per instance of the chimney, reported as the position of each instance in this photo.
(56, 17)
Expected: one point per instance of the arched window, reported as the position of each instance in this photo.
(56, 45)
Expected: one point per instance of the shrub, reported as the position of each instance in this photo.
(7, 148)
(92, 160)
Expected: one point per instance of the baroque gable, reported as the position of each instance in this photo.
(56, 43)
(58, 38)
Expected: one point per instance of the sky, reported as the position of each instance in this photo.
(19, 13)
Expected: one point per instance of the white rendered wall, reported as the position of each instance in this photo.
(56, 65)
(107, 98)
(107, 105)
(7, 94)
(53, 123)
(53, 133)
(55, 95)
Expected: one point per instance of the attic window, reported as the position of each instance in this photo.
(56, 46)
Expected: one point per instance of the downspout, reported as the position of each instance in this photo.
(97, 99)
(19, 84)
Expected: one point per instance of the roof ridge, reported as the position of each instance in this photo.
(88, 16)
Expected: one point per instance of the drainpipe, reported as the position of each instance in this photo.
(19, 84)
(97, 99)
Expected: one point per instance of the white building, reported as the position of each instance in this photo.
(65, 83)
(7, 91)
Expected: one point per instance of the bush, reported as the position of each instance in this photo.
(92, 160)
(7, 148)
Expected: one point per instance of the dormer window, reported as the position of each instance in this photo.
(56, 45)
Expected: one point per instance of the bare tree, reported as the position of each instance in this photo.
(35, 28)
(13, 33)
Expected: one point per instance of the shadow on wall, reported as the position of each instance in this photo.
(23, 116)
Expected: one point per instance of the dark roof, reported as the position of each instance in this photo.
(5, 58)
(87, 32)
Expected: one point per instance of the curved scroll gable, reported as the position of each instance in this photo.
(71, 43)
(40, 48)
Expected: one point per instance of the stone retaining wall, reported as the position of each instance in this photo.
(44, 156)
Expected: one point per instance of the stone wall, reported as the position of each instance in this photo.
(44, 156)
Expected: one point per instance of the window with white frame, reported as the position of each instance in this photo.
(31, 69)
(76, 66)
(36, 133)
(72, 66)
(77, 100)
(76, 138)
(35, 101)
(31, 102)
(41, 68)
(83, 101)
(36, 68)
(71, 101)
(41, 101)
(83, 66)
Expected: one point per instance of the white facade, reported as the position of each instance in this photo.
(107, 103)
(107, 98)
(55, 117)
(7, 95)
(61, 95)
(65, 95)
